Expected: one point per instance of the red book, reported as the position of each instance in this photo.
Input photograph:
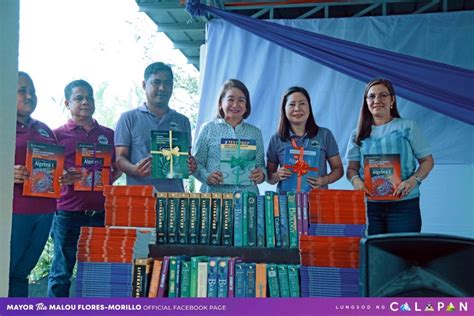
(45, 163)
(382, 176)
(93, 161)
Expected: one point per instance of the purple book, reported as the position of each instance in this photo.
(305, 213)
(299, 212)
(163, 278)
(231, 277)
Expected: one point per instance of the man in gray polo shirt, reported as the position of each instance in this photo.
(132, 134)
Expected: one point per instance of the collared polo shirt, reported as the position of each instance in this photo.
(324, 139)
(134, 131)
(38, 132)
(68, 136)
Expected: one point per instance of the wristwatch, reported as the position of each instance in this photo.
(418, 179)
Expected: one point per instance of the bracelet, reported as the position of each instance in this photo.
(353, 177)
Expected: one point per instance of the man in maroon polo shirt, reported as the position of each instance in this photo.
(31, 215)
(76, 208)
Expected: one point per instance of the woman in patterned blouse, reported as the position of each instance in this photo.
(232, 108)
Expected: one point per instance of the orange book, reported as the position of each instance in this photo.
(261, 280)
(155, 279)
(45, 163)
(129, 190)
(382, 176)
(94, 162)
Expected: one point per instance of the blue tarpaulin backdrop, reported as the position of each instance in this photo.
(268, 69)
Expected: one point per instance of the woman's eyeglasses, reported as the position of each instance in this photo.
(381, 96)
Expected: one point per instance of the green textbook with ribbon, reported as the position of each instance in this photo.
(170, 152)
(238, 158)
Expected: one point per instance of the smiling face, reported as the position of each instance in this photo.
(234, 105)
(81, 103)
(26, 98)
(379, 100)
(158, 89)
(297, 109)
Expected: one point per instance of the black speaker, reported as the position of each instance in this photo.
(417, 265)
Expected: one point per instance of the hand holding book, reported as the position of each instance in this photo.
(20, 173)
(257, 176)
(143, 167)
(405, 187)
(70, 176)
(215, 178)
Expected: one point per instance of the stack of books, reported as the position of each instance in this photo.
(105, 258)
(330, 252)
(216, 277)
(130, 206)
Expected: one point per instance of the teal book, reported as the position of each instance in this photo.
(240, 279)
(194, 216)
(302, 164)
(173, 205)
(169, 152)
(227, 219)
(260, 221)
(269, 220)
(238, 219)
(272, 280)
(245, 218)
(251, 280)
(173, 276)
(212, 277)
(283, 280)
(183, 218)
(216, 219)
(237, 160)
(193, 288)
(185, 282)
(161, 218)
(292, 219)
(222, 277)
(284, 233)
(294, 280)
(205, 219)
(251, 219)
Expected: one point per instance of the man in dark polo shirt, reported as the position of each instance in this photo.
(133, 137)
(32, 215)
(76, 208)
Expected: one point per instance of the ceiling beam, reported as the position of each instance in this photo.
(427, 6)
(366, 10)
(171, 27)
(311, 12)
(187, 44)
(159, 6)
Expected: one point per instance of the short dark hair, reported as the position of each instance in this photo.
(157, 67)
(24, 75)
(77, 83)
(229, 84)
(311, 128)
(366, 120)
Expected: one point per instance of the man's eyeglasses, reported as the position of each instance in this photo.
(381, 96)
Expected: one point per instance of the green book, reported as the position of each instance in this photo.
(272, 280)
(251, 219)
(245, 218)
(185, 279)
(238, 218)
(173, 274)
(194, 216)
(204, 220)
(292, 219)
(294, 280)
(173, 205)
(169, 152)
(269, 219)
(216, 219)
(183, 218)
(283, 280)
(194, 274)
(161, 219)
(227, 219)
(238, 158)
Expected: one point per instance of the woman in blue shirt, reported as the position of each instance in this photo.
(232, 108)
(298, 128)
(381, 131)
